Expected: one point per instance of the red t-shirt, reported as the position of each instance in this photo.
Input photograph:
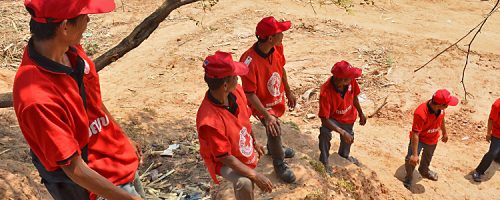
(110, 152)
(264, 78)
(427, 124)
(222, 133)
(49, 109)
(333, 106)
(495, 117)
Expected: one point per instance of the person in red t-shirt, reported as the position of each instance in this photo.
(266, 85)
(54, 98)
(492, 136)
(227, 144)
(338, 110)
(428, 124)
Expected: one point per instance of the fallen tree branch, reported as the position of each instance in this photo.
(478, 27)
(379, 108)
(140, 33)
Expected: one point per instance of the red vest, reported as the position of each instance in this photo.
(333, 106)
(427, 124)
(264, 78)
(223, 133)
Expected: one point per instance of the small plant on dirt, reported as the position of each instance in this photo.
(318, 167)
(346, 4)
(347, 185)
(389, 61)
(293, 125)
(318, 195)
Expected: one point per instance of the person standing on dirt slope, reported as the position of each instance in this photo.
(428, 123)
(338, 110)
(227, 144)
(492, 136)
(265, 86)
(75, 146)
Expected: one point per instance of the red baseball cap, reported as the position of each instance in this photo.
(343, 69)
(45, 11)
(221, 64)
(269, 26)
(443, 96)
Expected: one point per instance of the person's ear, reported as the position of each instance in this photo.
(63, 28)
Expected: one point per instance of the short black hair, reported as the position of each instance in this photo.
(215, 83)
(45, 31)
(261, 40)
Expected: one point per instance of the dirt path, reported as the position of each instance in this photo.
(155, 89)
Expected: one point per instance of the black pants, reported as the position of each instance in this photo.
(425, 161)
(325, 136)
(274, 145)
(66, 190)
(492, 154)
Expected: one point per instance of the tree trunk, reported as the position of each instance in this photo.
(133, 40)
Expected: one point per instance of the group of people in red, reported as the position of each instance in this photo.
(226, 136)
(81, 152)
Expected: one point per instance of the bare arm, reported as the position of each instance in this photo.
(271, 122)
(285, 82)
(257, 104)
(81, 174)
(362, 117)
(445, 134)
(292, 100)
(333, 127)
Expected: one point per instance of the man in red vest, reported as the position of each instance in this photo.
(75, 144)
(266, 85)
(428, 126)
(227, 144)
(338, 109)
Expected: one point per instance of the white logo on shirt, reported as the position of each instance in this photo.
(246, 143)
(434, 130)
(96, 126)
(273, 84)
(248, 60)
(87, 67)
(341, 112)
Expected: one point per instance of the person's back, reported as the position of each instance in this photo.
(51, 100)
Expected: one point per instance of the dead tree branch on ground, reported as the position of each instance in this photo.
(478, 27)
(140, 33)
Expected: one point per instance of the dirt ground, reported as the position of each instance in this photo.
(154, 91)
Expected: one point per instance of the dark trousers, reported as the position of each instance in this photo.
(325, 136)
(275, 146)
(492, 154)
(425, 161)
(66, 190)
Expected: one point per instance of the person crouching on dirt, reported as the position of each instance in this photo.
(428, 123)
(227, 144)
(265, 86)
(492, 136)
(56, 93)
(338, 110)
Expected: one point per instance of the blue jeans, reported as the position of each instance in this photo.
(325, 136)
(492, 154)
(428, 152)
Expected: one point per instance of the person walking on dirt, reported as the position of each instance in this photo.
(338, 109)
(266, 85)
(428, 124)
(74, 145)
(493, 137)
(227, 144)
